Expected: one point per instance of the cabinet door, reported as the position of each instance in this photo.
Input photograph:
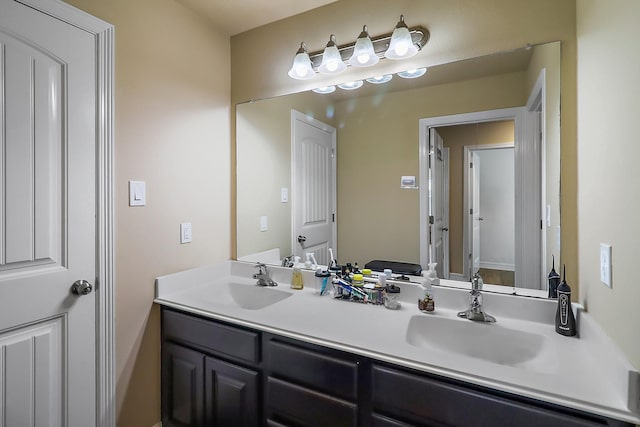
(182, 386)
(231, 395)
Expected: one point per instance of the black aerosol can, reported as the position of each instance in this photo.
(565, 321)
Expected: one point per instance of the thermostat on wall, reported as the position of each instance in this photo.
(408, 182)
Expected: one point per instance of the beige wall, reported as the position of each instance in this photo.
(377, 145)
(263, 138)
(172, 131)
(608, 173)
(456, 138)
(460, 29)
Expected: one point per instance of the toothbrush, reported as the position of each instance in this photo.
(331, 258)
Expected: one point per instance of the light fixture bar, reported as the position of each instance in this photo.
(419, 36)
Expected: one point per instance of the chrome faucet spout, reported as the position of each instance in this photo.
(475, 311)
(263, 276)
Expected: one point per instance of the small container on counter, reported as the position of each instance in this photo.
(296, 279)
(391, 297)
(322, 282)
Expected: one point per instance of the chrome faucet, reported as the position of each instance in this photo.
(263, 276)
(475, 311)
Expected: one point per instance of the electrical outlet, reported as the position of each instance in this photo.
(186, 232)
(605, 264)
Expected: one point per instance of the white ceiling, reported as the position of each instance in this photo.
(236, 16)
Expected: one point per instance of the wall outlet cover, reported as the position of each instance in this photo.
(605, 264)
(186, 232)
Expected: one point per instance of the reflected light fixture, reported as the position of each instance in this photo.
(380, 79)
(363, 53)
(413, 73)
(325, 89)
(332, 62)
(351, 85)
(401, 45)
(366, 51)
(301, 68)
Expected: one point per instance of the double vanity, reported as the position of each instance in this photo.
(234, 353)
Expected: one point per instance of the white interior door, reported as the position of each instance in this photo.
(314, 187)
(437, 218)
(48, 216)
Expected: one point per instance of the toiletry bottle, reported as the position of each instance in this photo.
(391, 297)
(565, 322)
(308, 263)
(426, 303)
(553, 279)
(296, 279)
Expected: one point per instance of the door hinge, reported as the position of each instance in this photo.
(470, 165)
(333, 153)
(431, 219)
(333, 217)
(540, 224)
(471, 211)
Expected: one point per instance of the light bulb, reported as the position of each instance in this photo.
(401, 49)
(363, 59)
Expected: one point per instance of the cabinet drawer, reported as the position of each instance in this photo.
(426, 401)
(289, 404)
(212, 336)
(313, 369)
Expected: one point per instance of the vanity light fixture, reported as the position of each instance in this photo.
(351, 85)
(325, 89)
(301, 68)
(366, 51)
(380, 79)
(363, 53)
(401, 45)
(412, 74)
(332, 62)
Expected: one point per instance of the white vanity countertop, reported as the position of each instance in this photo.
(586, 373)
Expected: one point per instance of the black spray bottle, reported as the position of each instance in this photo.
(553, 279)
(565, 322)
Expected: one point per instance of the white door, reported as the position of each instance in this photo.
(48, 217)
(474, 213)
(445, 222)
(437, 211)
(314, 187)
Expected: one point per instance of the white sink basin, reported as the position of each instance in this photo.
(250, 297)
(488, 341)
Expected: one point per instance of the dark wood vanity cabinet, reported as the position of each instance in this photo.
(217, 374)
(209, 375)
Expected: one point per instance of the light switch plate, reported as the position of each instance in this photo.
(137, 193)
(263, 223)
(284, 195)
(186, 232)
(605, 264)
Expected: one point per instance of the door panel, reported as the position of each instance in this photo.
(48, 213)
(314, 187)
(437, 212)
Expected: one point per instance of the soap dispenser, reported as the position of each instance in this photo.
(427, 303)
(565, 321)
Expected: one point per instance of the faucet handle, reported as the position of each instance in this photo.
(262, 268)
(476, 282)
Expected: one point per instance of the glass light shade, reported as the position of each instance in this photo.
(325, 89)
(380, 79)
(412, 74)
(351, 85)
(401, 45)
(301, 68)
(363, 53)
(332, 62)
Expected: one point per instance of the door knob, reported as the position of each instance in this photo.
(302, 239)
(81, 287)
(445, 228)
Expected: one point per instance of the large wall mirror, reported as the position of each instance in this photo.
(495, 109)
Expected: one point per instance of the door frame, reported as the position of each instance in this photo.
(515, 114)
(103, 34)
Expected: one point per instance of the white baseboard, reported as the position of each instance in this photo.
(497, 266)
